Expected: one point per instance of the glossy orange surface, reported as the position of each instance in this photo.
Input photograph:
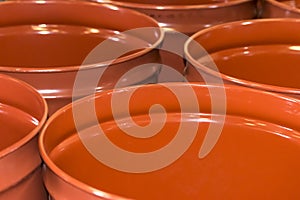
(11, 116)
(191, 15)
(249, 53)
(53, 45)
(45, 43)
(254, 158)
(280, 9)
(23, 112)
(186, 17)
(30, 187)
(283, 69)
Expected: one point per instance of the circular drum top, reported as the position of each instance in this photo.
(49, 36)
(261, 53)
(256, 152)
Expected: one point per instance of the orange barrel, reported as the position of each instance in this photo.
(186, 17)
(46, 43)
(23, 112)
(174, 141)
(248, 53)
(279, 9)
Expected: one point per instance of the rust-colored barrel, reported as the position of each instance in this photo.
(23, 112)
(46, 43)
(181, 19)
(279, 9)
(174, 141)
(248, 53)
